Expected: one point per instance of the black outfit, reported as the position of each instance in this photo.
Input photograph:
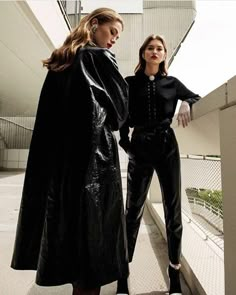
(154, 147)
(71, 225)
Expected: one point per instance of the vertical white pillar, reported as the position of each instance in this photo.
(228, 158)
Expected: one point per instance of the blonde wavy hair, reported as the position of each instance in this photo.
(63, 57)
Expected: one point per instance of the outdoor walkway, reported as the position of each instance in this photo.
(147, 271)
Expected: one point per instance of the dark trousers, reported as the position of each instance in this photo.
(154, 150)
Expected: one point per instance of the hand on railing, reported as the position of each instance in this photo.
(184, 116)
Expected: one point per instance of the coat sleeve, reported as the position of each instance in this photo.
(124, 141)
(106, 83)
(184, 94)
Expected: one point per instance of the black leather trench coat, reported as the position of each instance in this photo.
(71, 219)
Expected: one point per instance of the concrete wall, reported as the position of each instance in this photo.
(228, 157)
(212, 132)
(171, 19)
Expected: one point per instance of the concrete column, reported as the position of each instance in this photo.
(228, 160)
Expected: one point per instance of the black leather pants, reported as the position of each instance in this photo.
(155, 149)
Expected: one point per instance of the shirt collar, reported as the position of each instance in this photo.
(141, 75)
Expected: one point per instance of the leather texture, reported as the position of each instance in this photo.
(155, 150)
(71, 225)
(153, 147)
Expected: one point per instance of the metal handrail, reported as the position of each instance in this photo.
(208, 206)
(77, 13)
(16, 124)
(62, 7)
(14, 135)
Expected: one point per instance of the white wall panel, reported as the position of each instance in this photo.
(172, 19)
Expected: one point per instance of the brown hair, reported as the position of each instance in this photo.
(142, 63)
(63, 57)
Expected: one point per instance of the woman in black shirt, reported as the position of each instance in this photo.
(153, 97)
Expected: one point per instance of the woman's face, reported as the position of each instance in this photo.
(106, 34)
(154, 53)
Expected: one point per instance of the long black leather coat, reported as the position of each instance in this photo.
(71, 220)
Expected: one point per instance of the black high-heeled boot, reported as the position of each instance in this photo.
(175, 286)
(122, 287)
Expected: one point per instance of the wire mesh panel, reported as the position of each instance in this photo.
(16, 132)
(202, 195)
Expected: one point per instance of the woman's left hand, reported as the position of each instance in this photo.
(184, 116)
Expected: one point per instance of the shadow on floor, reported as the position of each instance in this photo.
(9, 173)
(58, 290)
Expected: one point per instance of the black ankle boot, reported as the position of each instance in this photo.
(175, 286)
(122, 287)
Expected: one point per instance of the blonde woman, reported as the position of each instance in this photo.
(71, 220)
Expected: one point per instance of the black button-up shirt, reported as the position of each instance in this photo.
(152, 102)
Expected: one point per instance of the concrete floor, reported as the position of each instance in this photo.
(147, 271)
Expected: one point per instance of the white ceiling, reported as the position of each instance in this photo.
(23, 44)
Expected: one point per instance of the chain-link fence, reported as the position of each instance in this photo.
(202, 195)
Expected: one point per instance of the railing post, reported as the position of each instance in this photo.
(78, 9)
(228, 166)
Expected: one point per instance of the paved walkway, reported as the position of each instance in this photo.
(147, 271)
